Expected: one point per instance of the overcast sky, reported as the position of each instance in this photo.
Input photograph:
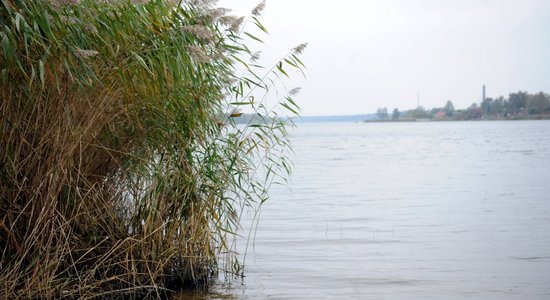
(366, 54)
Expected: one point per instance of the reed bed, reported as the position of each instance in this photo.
(122, 171)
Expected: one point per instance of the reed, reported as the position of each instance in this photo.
(122, 174)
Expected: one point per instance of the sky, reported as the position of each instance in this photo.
(367, 54)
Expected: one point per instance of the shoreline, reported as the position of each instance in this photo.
(514, 118)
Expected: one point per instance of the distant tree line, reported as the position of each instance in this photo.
(520, 105)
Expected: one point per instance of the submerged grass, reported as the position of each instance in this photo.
(122, 173)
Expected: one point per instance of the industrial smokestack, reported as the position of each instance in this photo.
(483, 95)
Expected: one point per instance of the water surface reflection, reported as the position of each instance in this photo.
(453, 210)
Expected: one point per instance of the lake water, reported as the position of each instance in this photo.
(436, 210)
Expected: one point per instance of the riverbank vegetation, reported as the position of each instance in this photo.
(517, 106)
(122, 171)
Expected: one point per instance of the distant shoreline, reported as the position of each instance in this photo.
(372, 118)
(512, 118)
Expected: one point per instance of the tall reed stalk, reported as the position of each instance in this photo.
(122, 171)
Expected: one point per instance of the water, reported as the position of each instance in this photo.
(446, 210)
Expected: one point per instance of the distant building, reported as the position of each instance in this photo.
(440, 114)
